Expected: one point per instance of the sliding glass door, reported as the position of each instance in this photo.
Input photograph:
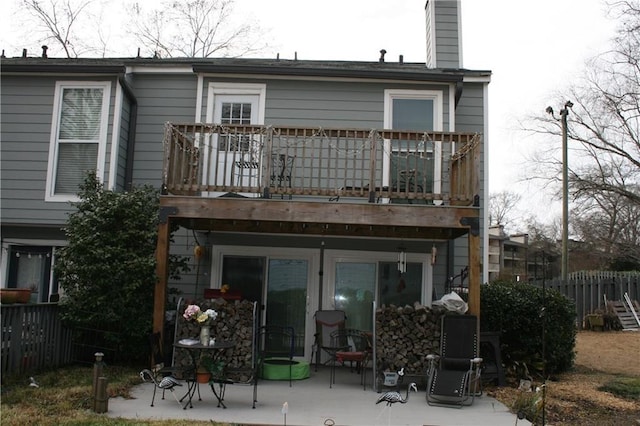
(355, 291)
(287, 297)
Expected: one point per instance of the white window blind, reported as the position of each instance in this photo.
(78, 137)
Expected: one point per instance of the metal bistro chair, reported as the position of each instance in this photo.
(281, 168)
(353, 346)
(454, 375)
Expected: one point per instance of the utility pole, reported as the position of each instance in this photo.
(564, 112)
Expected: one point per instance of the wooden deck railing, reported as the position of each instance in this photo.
(337, 164)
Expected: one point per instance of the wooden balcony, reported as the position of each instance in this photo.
(294, 183)
(330, 165)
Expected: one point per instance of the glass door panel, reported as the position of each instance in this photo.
(287, 297)
(236, 155)
(412, 167)
(245, 274)
(400, 289)
(354, 293)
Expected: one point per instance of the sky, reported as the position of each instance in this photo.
(534, 48)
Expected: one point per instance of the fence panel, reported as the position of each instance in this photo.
(588, 289)
(33, 338)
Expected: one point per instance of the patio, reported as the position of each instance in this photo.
(312, 402)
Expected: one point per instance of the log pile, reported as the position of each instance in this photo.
(405, 335)
(235, 322)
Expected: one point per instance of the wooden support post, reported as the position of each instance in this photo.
(102, 397)
(162, 272)
(98, 368)
(474, 274)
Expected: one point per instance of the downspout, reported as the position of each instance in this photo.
(131, 142)
(458, 93)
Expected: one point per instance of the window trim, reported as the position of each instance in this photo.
(50, 194)
(231, 90)
(437, 97)
(237, 89)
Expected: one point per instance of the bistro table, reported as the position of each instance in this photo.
(195, 350)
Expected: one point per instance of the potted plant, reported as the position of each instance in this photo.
(15, 295)
(595, 321)
(214, 369)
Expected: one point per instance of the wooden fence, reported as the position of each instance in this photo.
(33, 338)
(588, 289)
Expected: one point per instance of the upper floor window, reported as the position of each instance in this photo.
(413, 165)
(78, 136)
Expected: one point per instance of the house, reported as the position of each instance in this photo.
(305, 185)
(509, 256)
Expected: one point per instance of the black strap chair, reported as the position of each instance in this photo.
(454, 375)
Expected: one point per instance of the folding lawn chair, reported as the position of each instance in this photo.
(326, 323)
(454, 375)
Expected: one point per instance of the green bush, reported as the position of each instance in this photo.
(516, 311)
(107, 270)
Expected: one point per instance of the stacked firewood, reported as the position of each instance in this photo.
(405, 335)
(235, 322)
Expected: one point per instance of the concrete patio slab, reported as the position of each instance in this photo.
(311, 402)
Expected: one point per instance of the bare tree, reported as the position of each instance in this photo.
(501, 205)
(604, 140)
(610, 223)
(194, 28)
(604, 123)
(59, 22)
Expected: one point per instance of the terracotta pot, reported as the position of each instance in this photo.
(203, 377)
(15, 295)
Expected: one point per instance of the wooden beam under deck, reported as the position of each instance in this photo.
(259, 215)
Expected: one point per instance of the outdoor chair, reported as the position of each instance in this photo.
(454, 375)
(353, 346)
(326, 322)
(276, 347)
(281, 168)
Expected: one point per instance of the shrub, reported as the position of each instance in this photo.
(517, 311)
(107, 270)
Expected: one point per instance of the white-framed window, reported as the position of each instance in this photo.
(420, 110)
(78, 136)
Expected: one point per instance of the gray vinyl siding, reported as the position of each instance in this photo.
(27, 114)
(470, 118)
(26, 128)
(328, 103)
(334, 104)
(430, 42)
(325, 104)
(161, 98)
(123, 142)
(447, 41)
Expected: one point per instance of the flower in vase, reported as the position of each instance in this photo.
(195, 314)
